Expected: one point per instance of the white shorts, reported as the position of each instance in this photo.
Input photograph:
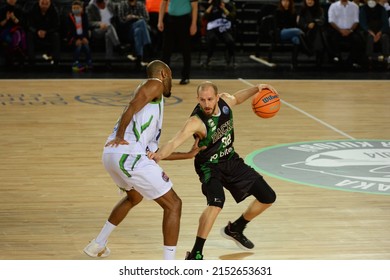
(138, 173)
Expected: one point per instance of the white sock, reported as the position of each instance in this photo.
(169, 252)
(102, 238)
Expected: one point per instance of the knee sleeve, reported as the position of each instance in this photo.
(263, 192)
(214, 192)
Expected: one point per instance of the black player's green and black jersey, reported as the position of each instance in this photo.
(220, 135)
(219, 166)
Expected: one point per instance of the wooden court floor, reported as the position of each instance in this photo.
(55, 195)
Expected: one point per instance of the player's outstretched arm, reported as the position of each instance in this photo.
(192, 126)
(187, 155)
(242, 95)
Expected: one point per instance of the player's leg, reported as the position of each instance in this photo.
(255, 185)
(215, 194)
(171, 204)
(207, 219)
(97, 247)
(255, 209)
(124, 206)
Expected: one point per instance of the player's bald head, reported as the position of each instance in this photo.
(205, 85)
(155, 68)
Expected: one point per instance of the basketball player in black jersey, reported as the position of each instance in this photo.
(219, 166)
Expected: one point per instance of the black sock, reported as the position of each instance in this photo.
(239, 224)
(198, 246)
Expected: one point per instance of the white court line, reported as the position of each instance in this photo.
(307, 114)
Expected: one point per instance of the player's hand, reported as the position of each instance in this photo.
(195, 149)
(263, 86)
(116, 142)
(153, 156)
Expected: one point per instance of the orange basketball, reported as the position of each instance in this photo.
(266, 103)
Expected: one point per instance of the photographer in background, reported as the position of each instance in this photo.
(219, 17)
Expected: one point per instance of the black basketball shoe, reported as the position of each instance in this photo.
(238, 237)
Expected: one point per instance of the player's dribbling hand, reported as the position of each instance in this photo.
(263, 86)
(116, 142)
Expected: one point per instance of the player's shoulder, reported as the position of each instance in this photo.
(228, 98)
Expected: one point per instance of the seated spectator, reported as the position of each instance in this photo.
(312, 21)
(12, 34)
(375, 25)
(386, 5)
(343, 16)
(100, 15)
(134, 20)
(78, 28)
(286, 23)
(43, 30)
(220, 16)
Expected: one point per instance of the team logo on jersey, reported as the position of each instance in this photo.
(211, 124)
(164, 176)
(348, 165)
(225, 110)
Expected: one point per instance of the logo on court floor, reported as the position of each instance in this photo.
(36, 99)
(348, 165)
(116, 99)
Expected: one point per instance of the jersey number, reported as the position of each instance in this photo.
(226, 140)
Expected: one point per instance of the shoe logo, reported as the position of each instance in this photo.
(101, 252)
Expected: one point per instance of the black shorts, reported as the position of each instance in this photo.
(234, 174)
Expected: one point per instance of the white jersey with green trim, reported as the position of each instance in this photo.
(143, 132)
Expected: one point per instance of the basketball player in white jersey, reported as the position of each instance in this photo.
(124, 157)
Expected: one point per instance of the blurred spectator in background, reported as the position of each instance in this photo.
(178, 23)
(220, 16)
(286, 23)
(153, 8)
(343, 16)
(375, 25)
(78, 28)
(385, 4)
(12, 34)
(100, 15)
(134, 19)
(43, 30)
(311, 20)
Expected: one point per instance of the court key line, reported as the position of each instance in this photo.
(307, 114)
